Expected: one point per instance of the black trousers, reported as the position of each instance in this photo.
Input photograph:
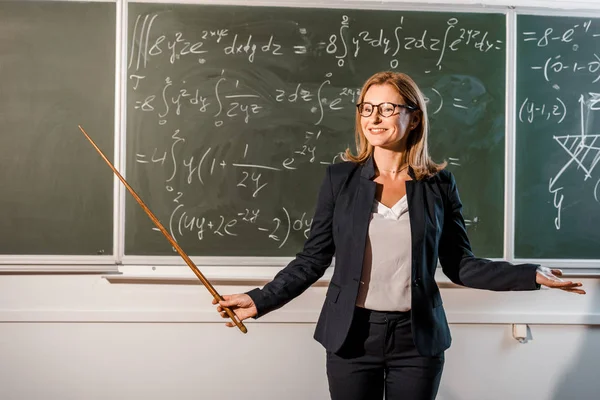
(379, 359)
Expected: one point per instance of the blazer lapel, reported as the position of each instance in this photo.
(363, 206)
(416, 211)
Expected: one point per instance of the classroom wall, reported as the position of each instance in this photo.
(92, 337)
(82, 337)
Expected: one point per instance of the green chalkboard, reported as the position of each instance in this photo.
(234, 112)
(57, 63)
(557, 193)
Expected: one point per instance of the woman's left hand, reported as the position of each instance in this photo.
(551, 278)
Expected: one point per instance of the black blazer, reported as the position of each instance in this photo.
(340, 226)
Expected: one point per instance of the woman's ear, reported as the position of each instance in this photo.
(416, 119)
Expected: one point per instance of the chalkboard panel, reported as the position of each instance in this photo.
(557, 205)
(233, 113)
(56, 71)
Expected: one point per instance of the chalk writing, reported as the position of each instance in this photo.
(565, 55)
(235, 132)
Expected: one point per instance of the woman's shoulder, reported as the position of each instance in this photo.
(444, 180)
(444, 176)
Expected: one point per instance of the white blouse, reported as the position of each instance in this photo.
(386, 274)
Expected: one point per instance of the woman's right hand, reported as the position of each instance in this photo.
(241, 304)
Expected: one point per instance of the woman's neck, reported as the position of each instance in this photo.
(389, 163)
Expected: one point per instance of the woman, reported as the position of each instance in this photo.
(388, 213)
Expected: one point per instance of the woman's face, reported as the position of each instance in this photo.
(387, 132)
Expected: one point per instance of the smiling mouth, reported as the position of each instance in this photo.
(377, 130)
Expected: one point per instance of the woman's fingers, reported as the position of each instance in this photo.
(569, 286)
(574, 290)
(240, 304)
(552, 279)
(556, 283)
(231, 302)
(562, 284)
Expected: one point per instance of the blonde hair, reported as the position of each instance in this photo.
(416, 155)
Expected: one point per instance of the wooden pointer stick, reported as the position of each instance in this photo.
(175, 245)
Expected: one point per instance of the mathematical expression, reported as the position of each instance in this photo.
(275, 229)
(238, 102)
(249, 178)
(530, 110)
(243, 103)
(569, 56)
(569, 35)
(555, 65)
(392, 43)
(226, 97)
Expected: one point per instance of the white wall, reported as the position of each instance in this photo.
(81, 337)
(86, 337)
(275, 361)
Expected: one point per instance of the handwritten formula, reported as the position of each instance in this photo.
(235, 122)
(558, 127)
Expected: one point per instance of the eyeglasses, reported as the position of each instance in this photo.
(384, 109)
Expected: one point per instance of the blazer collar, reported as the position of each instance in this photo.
(368, 169)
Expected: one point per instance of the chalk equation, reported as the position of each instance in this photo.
(570, 34)
(556, 65)
(233, 100)
(233, 125)
(557, 112)
(530, 110)
(276, 229)
(572, 58)
(341, 44)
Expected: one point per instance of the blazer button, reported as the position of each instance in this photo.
(417, 282)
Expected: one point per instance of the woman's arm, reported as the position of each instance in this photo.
(463, 268)
(310, 264)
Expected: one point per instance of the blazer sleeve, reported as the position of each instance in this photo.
(309, 264)
(463, 268)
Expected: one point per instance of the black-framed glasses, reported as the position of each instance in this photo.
(384, 109)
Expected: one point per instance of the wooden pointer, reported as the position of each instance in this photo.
(170, 238)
